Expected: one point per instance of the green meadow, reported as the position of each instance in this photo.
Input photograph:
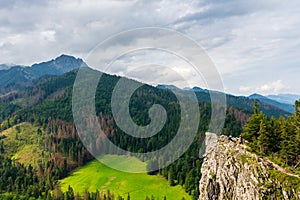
(97, 176)
(24, 143)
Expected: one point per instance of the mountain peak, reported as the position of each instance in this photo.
(65, 56)
(170, 87)
(6, 66)
(58, 66)
(256, 95)
(198, 89)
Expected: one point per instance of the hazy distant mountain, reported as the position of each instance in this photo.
(284, 106)
(6, 66)
(271, 108)
(19, 76)
(198, 89)
(48, 103)
(22, 75)
(285, 98)
(170, 87)
(173, 87)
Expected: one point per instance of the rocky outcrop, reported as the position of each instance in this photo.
(231, 172)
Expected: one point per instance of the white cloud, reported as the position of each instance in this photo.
(48, 35)
(245, 88)
(245, 39)
(272, 87)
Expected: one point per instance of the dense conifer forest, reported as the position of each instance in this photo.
(278, 139)
(47, 105)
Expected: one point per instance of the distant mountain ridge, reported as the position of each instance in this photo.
(268, 106)
(18, 77)
(285, 98)
(24, 74)
(6, 66)
(284, 106)
(170, 87)
(47, 103)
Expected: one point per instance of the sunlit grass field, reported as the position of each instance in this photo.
(97, 176)
(24, 143)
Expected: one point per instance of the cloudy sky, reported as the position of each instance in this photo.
(255, 45)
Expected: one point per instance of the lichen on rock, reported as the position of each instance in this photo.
(229, 171)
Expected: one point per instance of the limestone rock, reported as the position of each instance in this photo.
(231, 172)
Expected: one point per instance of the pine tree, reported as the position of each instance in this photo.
(263, 138)
(290, 150)
(297, 108)
(70, 193)
(128, 196)
(171, 178)
(255, 108)
(252, 127)
(275, 130)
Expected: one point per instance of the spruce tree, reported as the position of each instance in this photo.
(252, 127)
(263, 138)
(275, 128)
(171, 178)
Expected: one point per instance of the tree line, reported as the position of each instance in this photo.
(278, 138)
(53, 114)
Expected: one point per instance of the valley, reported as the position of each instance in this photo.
(44, 158)
(96, 176)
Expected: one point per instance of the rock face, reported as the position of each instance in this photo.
(231, 172)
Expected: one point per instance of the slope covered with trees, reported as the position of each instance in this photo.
(47, 105)
(278, 139)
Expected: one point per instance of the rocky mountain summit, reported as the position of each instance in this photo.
(10, 75)
(229, 171)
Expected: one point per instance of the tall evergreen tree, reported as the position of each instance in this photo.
(171, 177)
(263, 138)
(275, 130)
(252, 127)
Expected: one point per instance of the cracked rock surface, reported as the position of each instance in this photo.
(231, 172)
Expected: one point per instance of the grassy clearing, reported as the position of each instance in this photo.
(126, 163)
(97, 176)
(24, 142)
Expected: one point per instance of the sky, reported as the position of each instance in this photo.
(254, 45)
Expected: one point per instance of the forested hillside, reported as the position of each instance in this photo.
(47, 105)
(278, 139)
